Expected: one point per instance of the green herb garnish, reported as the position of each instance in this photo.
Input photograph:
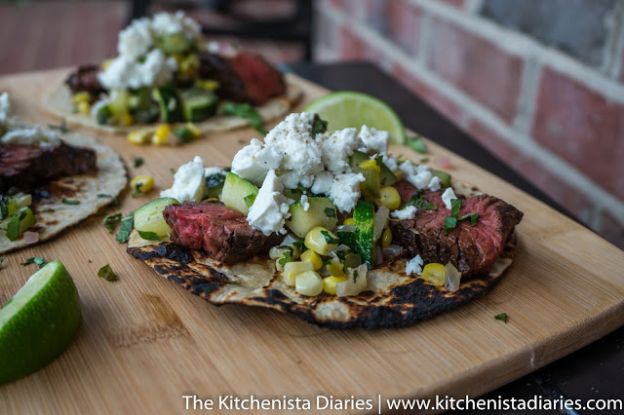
(249, 199)
(502, 317)
(107, 273)
(246, 111)
(70, 201)
(329, 238)
(111, 221)
(417, 144)
(127, 224)
(421, 203)
(37, 260)
(319, 125)
(330, 212)
(149, 236)
(137, 162)
(451, 222)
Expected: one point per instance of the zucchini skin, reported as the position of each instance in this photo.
(364, 216)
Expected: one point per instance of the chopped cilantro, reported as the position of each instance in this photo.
(149, 236)
(504, 317)
(329, 238)
(137, 162)
(70, 201)
(37, 260)
(111, 221)
(319, 125)
(451, 222)
(107, 273)
(417, 144)
(421, 203)
(246, 111)
(473, 217)
(455, 207)
(127, 224)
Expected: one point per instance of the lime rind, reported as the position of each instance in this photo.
(344, 109)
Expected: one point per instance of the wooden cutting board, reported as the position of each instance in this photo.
(145, 342)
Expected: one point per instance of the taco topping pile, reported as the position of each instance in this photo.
(166, 73)
(328, 208)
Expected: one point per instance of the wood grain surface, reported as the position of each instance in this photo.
(145, 342)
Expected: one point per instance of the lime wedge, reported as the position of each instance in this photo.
(38, 323)
(345, 109)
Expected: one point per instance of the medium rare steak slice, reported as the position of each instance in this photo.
(472, 249)
(85, 78)
(220, 231)
(245, 77)
(26, 167)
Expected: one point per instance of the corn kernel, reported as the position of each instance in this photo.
(335, 268)
(139, 137)
(209, 84)
(161, 135)
(390, 197)
(82, 96)
(386, 238)
(292, 269)
(329, 284)
(314, 258)
(370, 165)
(125, 119)
(83, 108)
(349, 222)
(141, 184)
(309, 283)
(434, 273)
(320, 240)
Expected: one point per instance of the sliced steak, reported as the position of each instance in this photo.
(472, 249)
(245, 77)
(85, 78)
(26, 167)
(221, 232)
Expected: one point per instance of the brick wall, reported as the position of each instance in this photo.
(539, 83)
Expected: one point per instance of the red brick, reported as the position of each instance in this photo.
(583, 128)
(404, 22)
(476, 66)
(566, 195)
(611, 229)
(441, 103)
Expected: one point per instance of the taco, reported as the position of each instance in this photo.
(167, 74)
(329, 227)
(50, 180)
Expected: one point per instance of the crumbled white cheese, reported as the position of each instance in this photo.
(414, 266)
(305, 203)
(390, 162)
(253, 161)
(337, 148)
(345, 191)
(170, 23)
(322, 183)
(419, 176)
(270, 208)
(292, 139)
(375, 140)
(434, 184)
(31, 136)
(188, 182)
(408, 212)
(125, 73)
(136, 39)
(5, 107)
(448, 196)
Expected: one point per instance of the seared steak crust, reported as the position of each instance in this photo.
(221, 232)
(246, 77)
(85, 79)
(472, 249)
(26, 167)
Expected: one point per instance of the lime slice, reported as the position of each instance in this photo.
(38, 323)
(345, 109)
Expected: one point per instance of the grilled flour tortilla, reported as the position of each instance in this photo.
(58, 101)
(394, 299)
(92, 191)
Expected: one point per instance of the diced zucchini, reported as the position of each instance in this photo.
(175, 43)
(238, 193)
(321, 212)
(169, 104)
(445, 179)
(198, 104)
(20, 222)
(364, 216)
(149, 217)
(104, 115)
(356, 158)
(143, 107)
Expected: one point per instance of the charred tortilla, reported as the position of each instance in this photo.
(58, 101)
(396, 300)
(91, 191)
